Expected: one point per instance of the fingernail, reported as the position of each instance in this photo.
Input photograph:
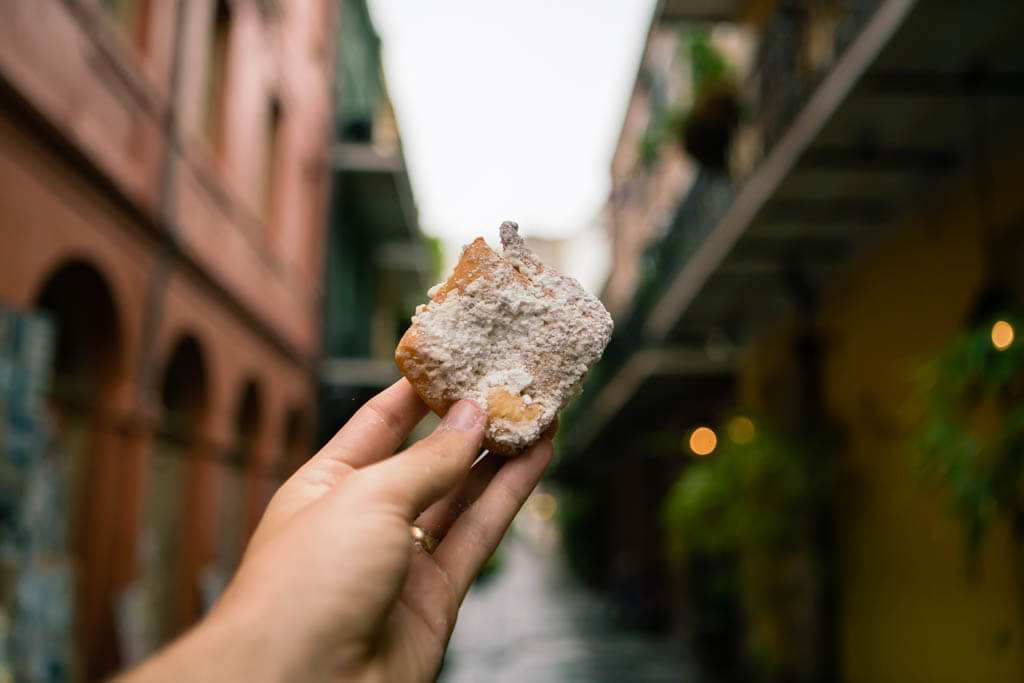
(464, 416)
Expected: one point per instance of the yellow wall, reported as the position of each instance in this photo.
(909, 610)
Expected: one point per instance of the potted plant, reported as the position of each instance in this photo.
(705, 125)
(707, 129)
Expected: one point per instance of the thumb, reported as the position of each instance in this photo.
(430, 468)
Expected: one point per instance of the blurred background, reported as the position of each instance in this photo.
(802, 455)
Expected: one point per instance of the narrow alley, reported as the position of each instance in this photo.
(533, 621)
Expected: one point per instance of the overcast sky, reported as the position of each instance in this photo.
(510, 109)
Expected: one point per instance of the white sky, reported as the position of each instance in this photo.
(510, 109)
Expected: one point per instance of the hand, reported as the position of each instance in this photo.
(332, 586)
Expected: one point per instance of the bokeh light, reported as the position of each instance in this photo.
(741, 430)
(1002, 335)
(703, 441)
(542, 506)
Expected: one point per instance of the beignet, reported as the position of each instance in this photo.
(509, 333)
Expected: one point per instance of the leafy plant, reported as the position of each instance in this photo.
(971, 437)
(649, 147)
(756, 495)
(754, 505)
(433, 248)
(707, 65)
(712, 79)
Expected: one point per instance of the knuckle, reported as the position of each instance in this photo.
(474, 529)
(379, 408)
(446, 449)
(514, 494)
(376, 485)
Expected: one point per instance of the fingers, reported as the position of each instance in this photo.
(440, 516)
(432, 467)
(477, 532)
(378, 428)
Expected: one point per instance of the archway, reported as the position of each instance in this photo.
(296, 443)
(238, 469)
(87, 364)
(183, 400)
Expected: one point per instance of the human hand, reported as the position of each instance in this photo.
(332, 586)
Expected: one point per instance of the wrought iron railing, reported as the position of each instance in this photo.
(800, 44)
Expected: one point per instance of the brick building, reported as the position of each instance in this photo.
(644, 191)
(163, 188)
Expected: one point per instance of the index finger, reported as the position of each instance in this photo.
(430, 468)
(478, 531)
(378, 428)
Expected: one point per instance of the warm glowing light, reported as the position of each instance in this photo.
(1002, 335)
(542, 506)
(741, 430)
(703, 441)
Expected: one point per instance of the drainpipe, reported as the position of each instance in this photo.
(120, 569)
(156, 294)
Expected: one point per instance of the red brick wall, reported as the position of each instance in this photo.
(89, 127)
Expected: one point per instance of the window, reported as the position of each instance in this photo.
(213, 123)
(132, 17)
(269, 189)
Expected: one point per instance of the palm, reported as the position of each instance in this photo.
(372, 603)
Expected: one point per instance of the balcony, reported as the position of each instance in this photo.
(861, 115)
(701, 10)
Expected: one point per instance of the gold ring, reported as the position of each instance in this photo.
(424, 538)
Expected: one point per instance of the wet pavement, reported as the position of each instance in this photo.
(531, 621)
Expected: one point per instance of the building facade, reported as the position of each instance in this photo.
(378, 263)
(647, 184)
(868, 228)
(164, 179)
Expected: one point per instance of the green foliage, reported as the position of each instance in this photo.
(757, 495)
(433, 247)
(649, 147)
(708, 70)
(971, 437)
(491, 567)
(707, 64)
(665, 125)
(584, 520)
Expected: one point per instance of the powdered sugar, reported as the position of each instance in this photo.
(518, 328)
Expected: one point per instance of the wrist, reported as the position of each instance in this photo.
(224, 646)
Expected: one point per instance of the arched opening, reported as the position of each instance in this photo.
(87, 362)
(85, 365)
(82, 305)
(296, 442)
(183, 399)
(238, 469)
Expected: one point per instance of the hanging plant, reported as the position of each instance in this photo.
(708, 127)
(755, 494)
(971, 438)
(665, 126)
(649, 147)
(708, 131)
(704, 126)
